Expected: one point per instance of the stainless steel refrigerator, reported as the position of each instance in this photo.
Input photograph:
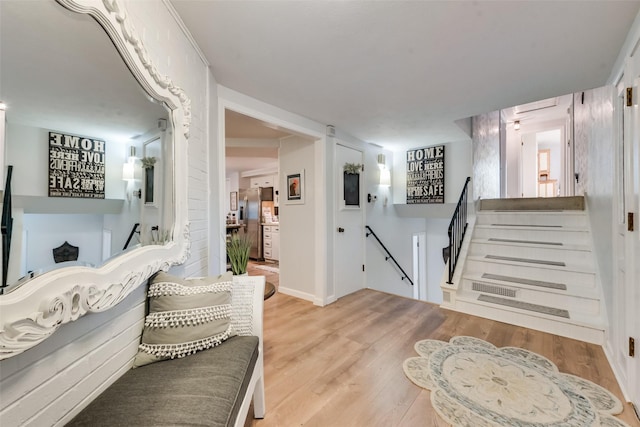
(250, 212)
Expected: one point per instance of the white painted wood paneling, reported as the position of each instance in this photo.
(41, 385)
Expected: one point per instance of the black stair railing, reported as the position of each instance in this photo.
(388, 256)
(7, 227)
(456, 231)
(134, 230)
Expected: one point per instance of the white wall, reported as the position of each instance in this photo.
(50, 382)
(297, 221)
(45, 232)
(437, 239)
(396, 223)
(395, 232)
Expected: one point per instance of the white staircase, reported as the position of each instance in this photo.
(530, 264)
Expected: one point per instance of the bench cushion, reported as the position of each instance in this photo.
(203, 389)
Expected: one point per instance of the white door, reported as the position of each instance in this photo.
(632, 237)
(349, 234)
(627, 241)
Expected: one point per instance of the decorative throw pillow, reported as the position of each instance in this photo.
(185, 316)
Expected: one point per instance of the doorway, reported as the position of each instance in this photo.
(259, 147)
(538, 151)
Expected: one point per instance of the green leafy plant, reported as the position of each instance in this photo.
(148, 162)
(352, 168)
(238, 248)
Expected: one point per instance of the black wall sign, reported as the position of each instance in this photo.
(425, 175)
(76, 166)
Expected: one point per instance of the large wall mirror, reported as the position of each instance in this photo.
(96, 137)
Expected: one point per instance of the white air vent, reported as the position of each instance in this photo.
(536, 106)
(493, 289)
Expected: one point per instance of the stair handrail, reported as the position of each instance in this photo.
(134, 230)
(457, 230)
(389, 256)
(6, 227)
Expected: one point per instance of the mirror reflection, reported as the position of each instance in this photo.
(91, 152)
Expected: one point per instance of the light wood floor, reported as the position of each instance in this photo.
(341, 365)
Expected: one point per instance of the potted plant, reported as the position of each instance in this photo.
(238, 248)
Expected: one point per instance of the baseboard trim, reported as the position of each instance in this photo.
(621, 379)
(296, 293)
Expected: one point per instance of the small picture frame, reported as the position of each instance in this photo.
(233, 201)
(295, 188)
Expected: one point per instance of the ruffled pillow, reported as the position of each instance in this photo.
(185, 316)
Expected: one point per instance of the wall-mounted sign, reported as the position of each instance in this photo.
(76, 166)
(425, 175)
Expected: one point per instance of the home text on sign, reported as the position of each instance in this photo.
(425, 175)
(76, 166)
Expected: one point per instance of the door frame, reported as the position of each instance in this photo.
(228, 99)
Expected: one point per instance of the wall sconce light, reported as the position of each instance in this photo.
(129, 173)
(385, 177)
(516, 125)
(385, 174)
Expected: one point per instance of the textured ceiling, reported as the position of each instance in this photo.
(400, 73)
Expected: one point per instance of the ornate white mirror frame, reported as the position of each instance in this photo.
(31, 313)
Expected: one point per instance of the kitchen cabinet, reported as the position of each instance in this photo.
(271, 242)
(268, 181)
(263, 181)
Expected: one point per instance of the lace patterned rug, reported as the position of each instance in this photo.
(474, 383)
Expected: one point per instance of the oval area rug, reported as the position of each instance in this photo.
(474, 383)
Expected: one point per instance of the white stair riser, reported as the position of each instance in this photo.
(593, 335)
(563, 219)
(544, 235)
(541, 296)
(579, 279)
(571, 258)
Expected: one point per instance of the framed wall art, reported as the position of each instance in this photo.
(425, 175)
(234, 201)
(295, 188)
